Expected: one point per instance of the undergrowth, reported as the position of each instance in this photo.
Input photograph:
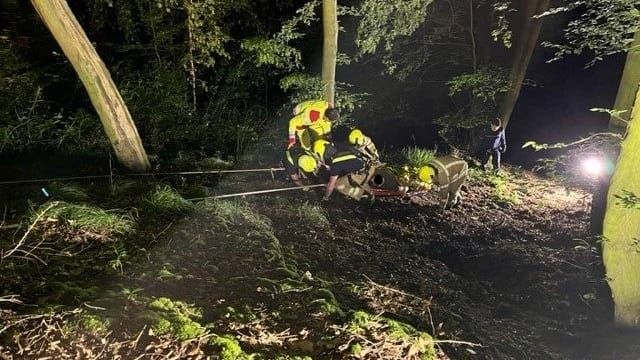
(166, 201)
(80, 223)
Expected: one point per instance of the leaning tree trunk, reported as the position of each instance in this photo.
(522, 55)
(329, 48)
(621, 229)
(103, 93)
(628, 87)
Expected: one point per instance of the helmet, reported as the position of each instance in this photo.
(320, 148)
(425, 173)
(307, 163)
(332, 114)
(356, 137)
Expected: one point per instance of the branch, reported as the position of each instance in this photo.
(538, 147)
(24, 237)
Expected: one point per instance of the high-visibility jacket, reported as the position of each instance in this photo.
(451, 172)
(368, 149)
(310, 115)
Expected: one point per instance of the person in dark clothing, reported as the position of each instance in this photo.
(495, 145)
(348, 173)
(445, 174)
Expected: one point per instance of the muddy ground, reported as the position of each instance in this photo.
(513, 270)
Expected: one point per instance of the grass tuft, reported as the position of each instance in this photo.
(237, 213)
(81, 223)
(313, 214)
(165, 200)
(416, 157)
(67, 192)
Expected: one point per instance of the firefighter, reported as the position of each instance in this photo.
(445, 174)
(298, 162)
(364, 145)
(348, 173)
(311, 121)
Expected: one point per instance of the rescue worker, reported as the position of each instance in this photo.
(347, 172)
(364, 145)
(311, 121)
(297, 160)
(445, 174)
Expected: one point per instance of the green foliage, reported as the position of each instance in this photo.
(277, 51)
(82, 222)
(165, 200)
(480, 93)
(501, 31)
(416, 157)
(502, 192)
(176, 317)
(384, 21)
(604, 27)
(488, 84)
(120, 257)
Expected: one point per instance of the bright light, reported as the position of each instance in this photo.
(593, 166)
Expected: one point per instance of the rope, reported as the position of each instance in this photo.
(142, 174)
(257, 192)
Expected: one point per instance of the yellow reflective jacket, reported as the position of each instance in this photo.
(310, 114)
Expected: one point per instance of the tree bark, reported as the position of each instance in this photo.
(103, 93)
(628, 87)
(329, 48)
(522, 55)
(621, 228)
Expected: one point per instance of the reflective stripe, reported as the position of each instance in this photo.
(290, 158)
(343, 158)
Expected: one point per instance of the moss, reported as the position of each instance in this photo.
(229, 347)
(359, 322)
(328, 302)
(94, 324)
(355, 349)
(363, 324)
(176, 317)
(162, 327)
(398, 330)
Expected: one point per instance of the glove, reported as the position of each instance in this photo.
(502, 148)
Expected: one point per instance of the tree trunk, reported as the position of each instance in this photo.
(628, 87)
(103, 93)
(526, 43)
(329, 48)
(621, 229)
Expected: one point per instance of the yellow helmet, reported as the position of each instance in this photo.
(320, 148)
(307, 163)
(356, 137)
(425, 173)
